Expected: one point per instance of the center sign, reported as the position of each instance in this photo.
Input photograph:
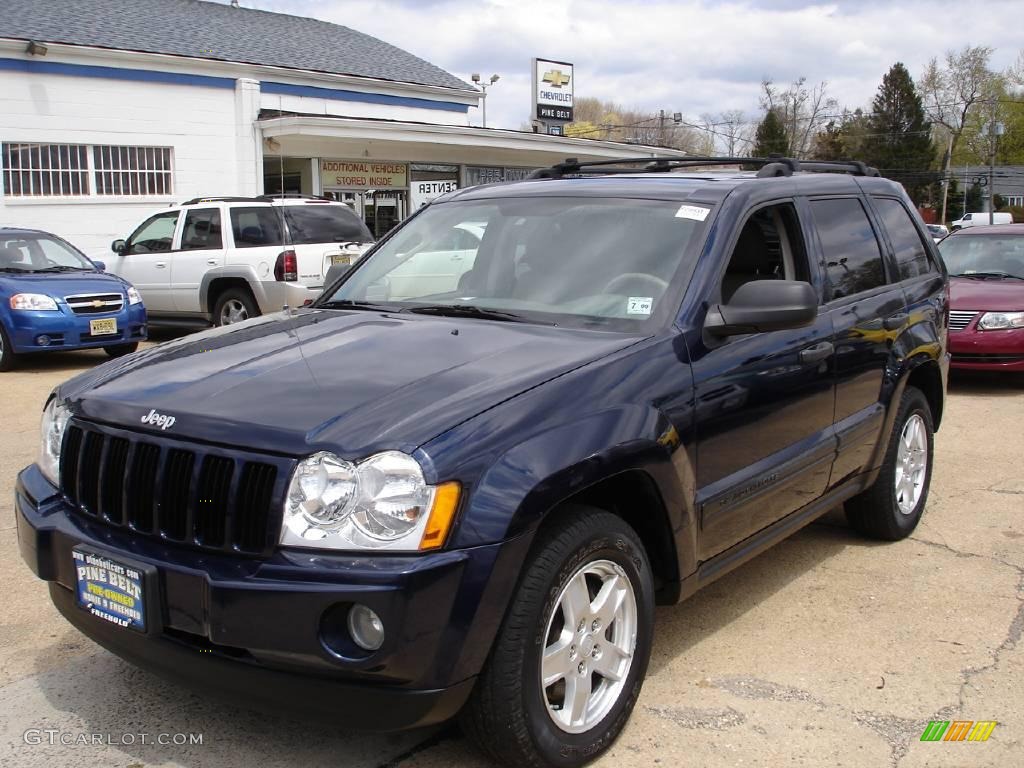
(553, 90)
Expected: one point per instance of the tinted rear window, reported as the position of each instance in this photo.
(911, 255)
(851, 251)
(325, 224)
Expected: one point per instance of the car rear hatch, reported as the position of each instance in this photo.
(322, 234)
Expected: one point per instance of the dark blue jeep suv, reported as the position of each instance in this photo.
(460, 480)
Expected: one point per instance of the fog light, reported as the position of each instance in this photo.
(366, 628)
(43, 341)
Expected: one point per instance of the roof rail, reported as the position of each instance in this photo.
(773, 165)
(216, 199)
(293, 196)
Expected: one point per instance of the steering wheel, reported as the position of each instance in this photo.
(658, 285)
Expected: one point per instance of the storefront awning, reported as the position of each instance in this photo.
(386, 140)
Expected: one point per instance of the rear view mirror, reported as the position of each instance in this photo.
(118, 247)
(764, 305)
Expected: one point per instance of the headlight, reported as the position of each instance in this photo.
(1000, 321)
(380, 503)
(55, 421)
(33, 301)
(133, 295)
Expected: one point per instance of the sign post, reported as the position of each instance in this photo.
(553, 84)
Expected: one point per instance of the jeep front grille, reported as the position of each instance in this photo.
(194, 495)
(95, 303)
(960, 318)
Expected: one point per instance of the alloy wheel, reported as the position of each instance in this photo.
(233, 311)
(911, 464)
(589, 646)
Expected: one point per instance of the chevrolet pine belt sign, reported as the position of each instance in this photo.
(553, 90)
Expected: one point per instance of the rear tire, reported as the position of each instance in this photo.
(891, 508)
(7, 353)
(120, 350)
(591, 652)
(233, 306)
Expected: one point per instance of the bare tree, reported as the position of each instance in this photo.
(731, 131)
(804, 111)
(951, 91)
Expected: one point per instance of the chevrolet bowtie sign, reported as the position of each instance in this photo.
(553, 91)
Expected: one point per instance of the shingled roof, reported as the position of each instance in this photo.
(220, 32)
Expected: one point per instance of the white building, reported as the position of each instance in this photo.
(112, 108)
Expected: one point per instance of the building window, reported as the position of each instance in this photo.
(34, 170)
(79, 170)
(132, 170)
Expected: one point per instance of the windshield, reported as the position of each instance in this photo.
(564, 261)
(984, 254)
(31, 252)
(314, 223)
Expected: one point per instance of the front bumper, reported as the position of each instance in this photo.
(987, 350)
(65, 330)
(271, 632)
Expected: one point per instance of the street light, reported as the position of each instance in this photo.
(484, 86)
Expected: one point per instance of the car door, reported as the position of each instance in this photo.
(201, 249)
(145, 261)
(868, 311)
(763, 401)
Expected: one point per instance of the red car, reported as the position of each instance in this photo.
(986, 318)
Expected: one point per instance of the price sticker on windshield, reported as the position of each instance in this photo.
(639, 305)
(695, 212)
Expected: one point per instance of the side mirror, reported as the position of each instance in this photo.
(764, 305)
(102, 267)
(118, 247)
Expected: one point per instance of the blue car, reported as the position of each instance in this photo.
(52, 298)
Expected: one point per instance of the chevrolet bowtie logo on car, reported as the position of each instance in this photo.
(97, 303)
(555, 78)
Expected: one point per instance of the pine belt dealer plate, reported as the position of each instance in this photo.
(110, 590)
(103, 327)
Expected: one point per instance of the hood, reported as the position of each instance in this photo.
(59, 284)
(989, 294)
(345, 381)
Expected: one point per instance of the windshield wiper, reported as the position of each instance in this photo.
(983, 274)
(62, 268)
(466, 310)
(352, 304)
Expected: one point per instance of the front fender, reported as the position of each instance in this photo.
(516, 491)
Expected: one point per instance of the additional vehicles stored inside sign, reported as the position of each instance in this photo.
(399, 506)
(53, 298)
(222, 260)
(986, 318)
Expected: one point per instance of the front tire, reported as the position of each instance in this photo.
(571, 655)
(891, 508)
(120, 350)
(233, 306)
(7, 353)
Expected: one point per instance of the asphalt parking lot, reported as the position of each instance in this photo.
(827, 650)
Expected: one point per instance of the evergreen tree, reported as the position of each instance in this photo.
(770, 138)
(899, 135)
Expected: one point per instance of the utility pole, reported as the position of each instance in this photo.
(997, 128)
(946, 181)
(661, 128)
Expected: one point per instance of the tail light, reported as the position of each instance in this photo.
(286, 269)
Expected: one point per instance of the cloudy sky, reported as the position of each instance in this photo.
(680, 55)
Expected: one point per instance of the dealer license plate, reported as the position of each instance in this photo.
(110, 590)
(343, 260)
(103, 327)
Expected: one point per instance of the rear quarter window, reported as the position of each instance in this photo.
(911, 254)
(852, 254)
(256, 226)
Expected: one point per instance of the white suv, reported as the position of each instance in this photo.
(221, 260)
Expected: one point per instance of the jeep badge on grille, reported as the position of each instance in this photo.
(158, 420)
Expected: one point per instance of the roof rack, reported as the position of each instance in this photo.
(773, 165)
(215, 199)
(255, 199)
(294, 196)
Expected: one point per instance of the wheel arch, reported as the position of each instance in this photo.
(218, 280)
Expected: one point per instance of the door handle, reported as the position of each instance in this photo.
(817, 352)
(160, 264)
(892, 322)
(212, 262)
